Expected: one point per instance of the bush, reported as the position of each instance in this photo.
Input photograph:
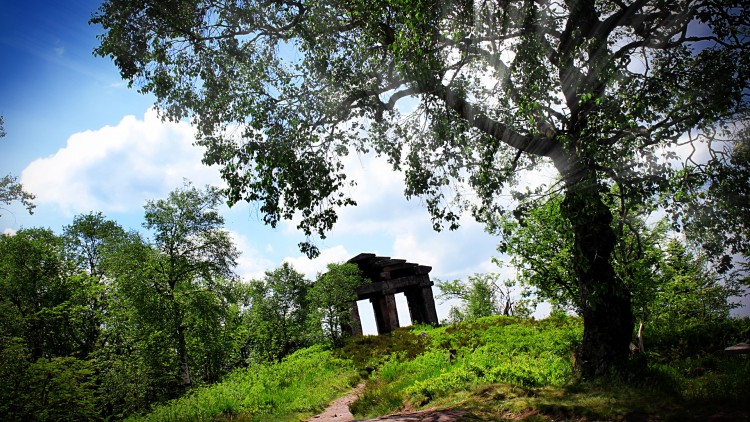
(58, 389)
(301, 384)
(464, 356)
(693, 338)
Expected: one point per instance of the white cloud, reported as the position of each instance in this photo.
(311, 267)
(451, 254)
(251, 264)
(385, 223)
(9, 232)
(117, 168)
(407, 246)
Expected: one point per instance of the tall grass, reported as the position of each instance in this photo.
(494, 367)
(297, 387)
(501, 365)
(464, 356)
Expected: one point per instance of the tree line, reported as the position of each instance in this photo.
(100, 322)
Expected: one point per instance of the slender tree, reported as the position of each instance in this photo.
(332, 295)
(10, 189)
(461, 96)
(279, 314)
(195, 253)
(86, 241)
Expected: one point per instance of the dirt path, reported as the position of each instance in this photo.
(338, 411)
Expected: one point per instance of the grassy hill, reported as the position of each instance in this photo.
(496, 368)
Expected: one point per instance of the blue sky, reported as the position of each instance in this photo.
(81, 141)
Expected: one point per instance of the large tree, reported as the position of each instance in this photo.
(461, 96)
(177, 286)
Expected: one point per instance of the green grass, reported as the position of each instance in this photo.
(506, 369)
(298, 387)
(461, 358)
(494, 368)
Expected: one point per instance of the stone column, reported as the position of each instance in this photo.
(354, 328)
(386, 315)
(416, 305)
(430, 313)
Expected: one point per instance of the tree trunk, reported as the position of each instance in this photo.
(604, 299)
(182, 351)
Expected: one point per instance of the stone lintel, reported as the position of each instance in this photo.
(393, 272)
(392, 286)
(361, 257)
(388, 262)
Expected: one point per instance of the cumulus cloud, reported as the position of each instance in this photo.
(385, 223)
(117, 168)
(251, 264)
(311, 267)
(451, 254)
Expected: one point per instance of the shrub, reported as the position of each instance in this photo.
(301, 384)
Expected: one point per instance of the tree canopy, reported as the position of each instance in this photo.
(463, 97)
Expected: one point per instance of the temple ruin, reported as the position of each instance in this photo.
(389, 277)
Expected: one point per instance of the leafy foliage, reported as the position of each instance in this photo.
(41, 297)
(10, 189)
(282, 92)
(332, 295)
(670, 281)
(690, 290)
(278, 318)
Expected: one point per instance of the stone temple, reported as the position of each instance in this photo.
(389, 277)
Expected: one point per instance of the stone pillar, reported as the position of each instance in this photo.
(354, 328)
(416, 306)
(430, 313)
(386, 315)
(422, 305)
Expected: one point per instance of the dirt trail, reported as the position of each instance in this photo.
(338, 411)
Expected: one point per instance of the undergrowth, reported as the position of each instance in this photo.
(503, 368)
(495, 368)
(462, 357)
(297, 387)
